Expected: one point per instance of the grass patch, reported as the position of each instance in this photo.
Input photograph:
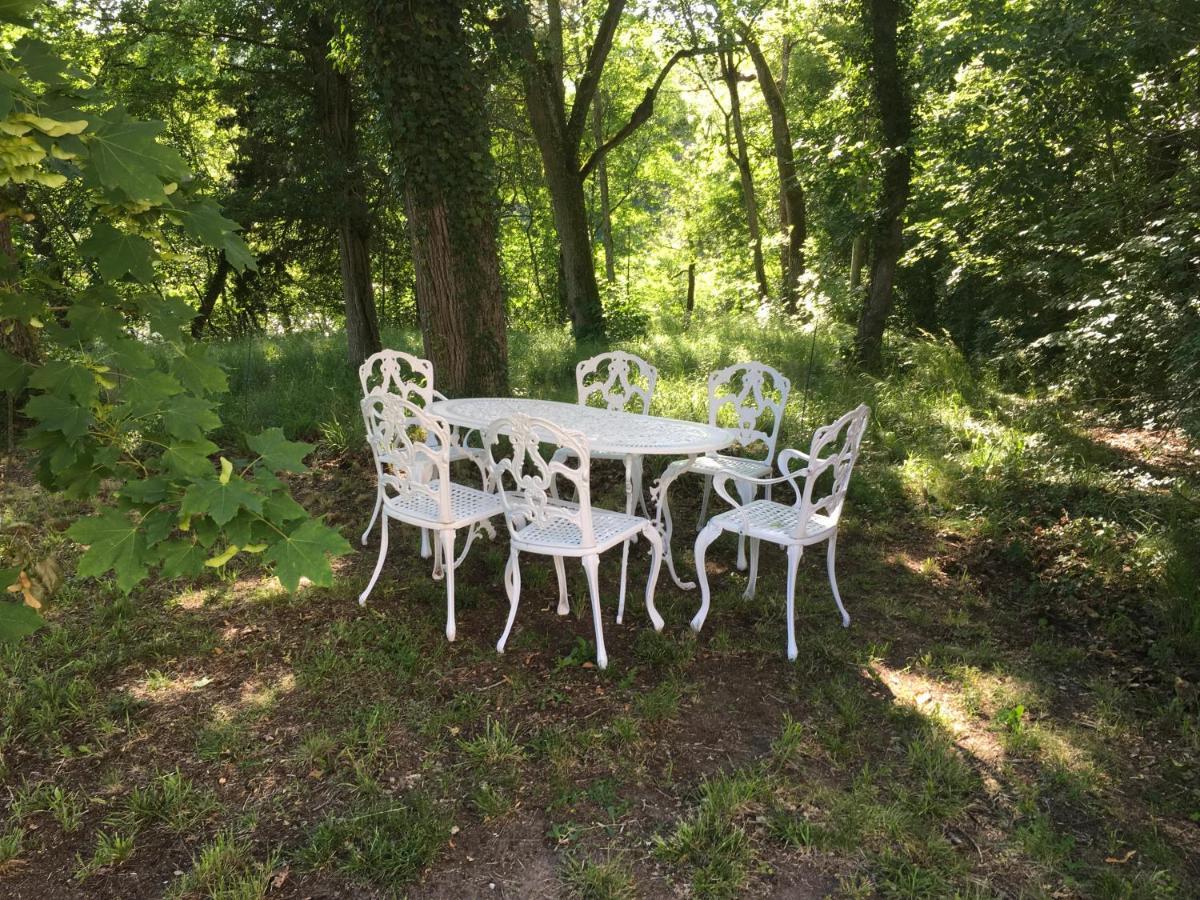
(712, 842)
(171, 800)
(113, 849)
(226, 869)
(588, 879)
(387, 842)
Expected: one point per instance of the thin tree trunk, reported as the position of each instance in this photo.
(884, 19)
(213, 289)
(793, 218)
(336, 118)
(610, 266)
(730, 75)
(569, 205)
(16, 338)
(691, 295)
(858, 258)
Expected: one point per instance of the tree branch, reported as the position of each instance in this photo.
(213, 35)
(585, 91)
(643, 111)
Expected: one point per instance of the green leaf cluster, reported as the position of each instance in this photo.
(123, 402)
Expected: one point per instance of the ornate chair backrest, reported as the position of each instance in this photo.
(617, 380)
(525, 478)
(741, 396)
(411, 449)
(833, 453)
(397, 372)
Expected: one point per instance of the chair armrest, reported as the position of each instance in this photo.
(720, 483)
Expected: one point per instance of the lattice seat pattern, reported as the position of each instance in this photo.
(774, 521)
(466, 504)
(609, 527)
(717, 463)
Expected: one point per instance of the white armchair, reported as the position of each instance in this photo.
(812, 519)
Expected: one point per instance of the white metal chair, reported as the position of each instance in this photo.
(741, 397)
(540, 523)
(412, 449)
(410, 378)
(811, 519)
(619, 380)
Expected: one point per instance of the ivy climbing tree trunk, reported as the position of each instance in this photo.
(336, 121)
(884, 20)
(731, 77)
(434, 91)
(793, 217)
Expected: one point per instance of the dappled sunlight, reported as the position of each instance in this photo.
(261, 694)
(160, 689)
(943, 704)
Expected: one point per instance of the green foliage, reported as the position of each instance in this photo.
(121, 396)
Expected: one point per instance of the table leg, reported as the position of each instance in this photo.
(662, 514)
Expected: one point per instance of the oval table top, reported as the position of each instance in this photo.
(607, 431)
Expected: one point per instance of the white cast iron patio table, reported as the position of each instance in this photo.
(609, 431)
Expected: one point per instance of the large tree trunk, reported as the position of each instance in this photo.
(430, 78)
(336, 120)
(884, 19)
(731, 78)
(793, 217)
(610, 264)
(466, 341)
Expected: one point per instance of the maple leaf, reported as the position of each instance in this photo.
(304, 554)
(278, 452)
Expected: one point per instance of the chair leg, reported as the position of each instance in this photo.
(564, 605)
(793, 562)
(425, 475)
(703, 539)
(746, 494)
(437, 555)
(704, 502)
(829, 565)
(374, 516)
(446, 539)
(656, 547)
(512, 586)
(637, 486)
(591, 566)
(624, 569)
(383, 544)
(753, 580)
